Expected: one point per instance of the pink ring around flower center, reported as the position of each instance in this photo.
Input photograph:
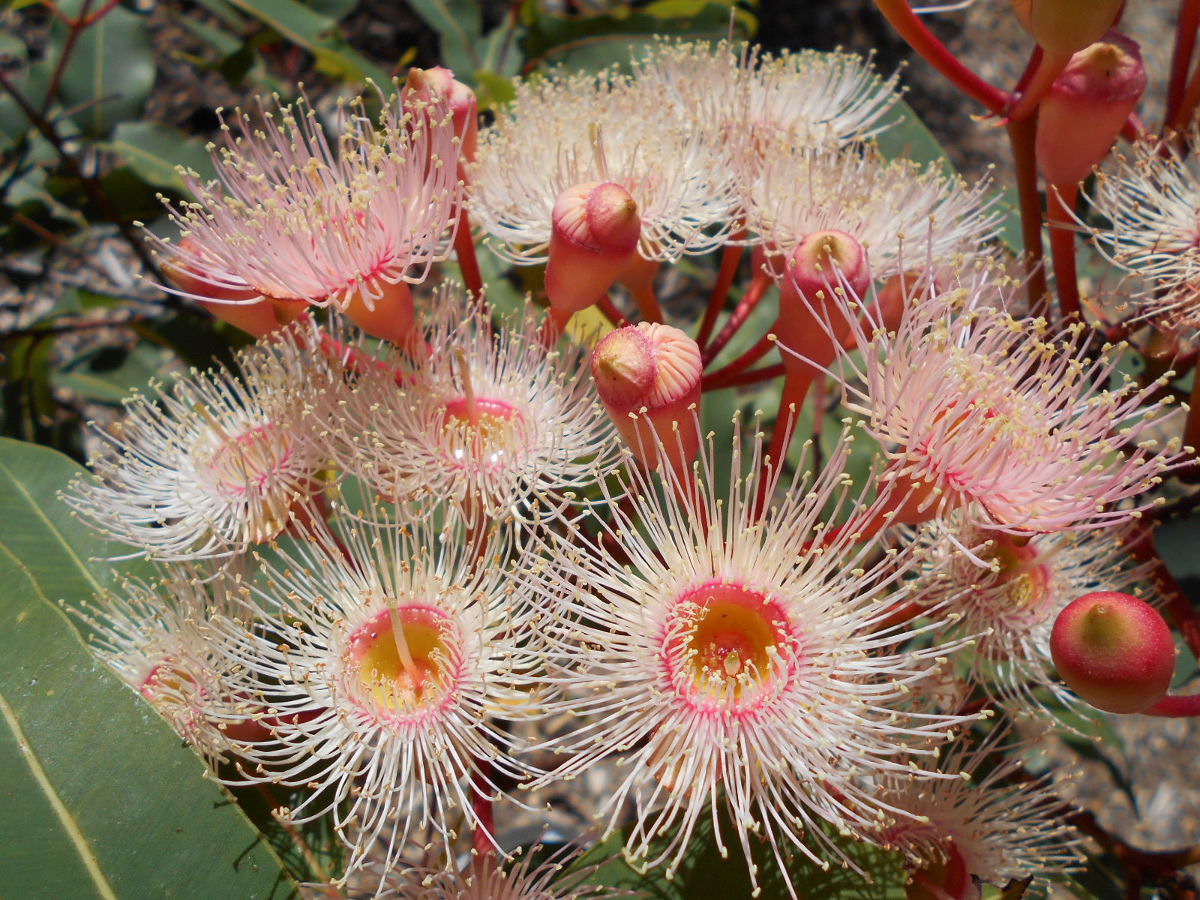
(404, 663)
(727, 648)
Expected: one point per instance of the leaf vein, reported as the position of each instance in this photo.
(103, 888)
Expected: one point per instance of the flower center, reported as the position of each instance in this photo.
(400, 660)
(1025, 578)
(166, 682)
(482, 430)
(246, 462)
(728, 642)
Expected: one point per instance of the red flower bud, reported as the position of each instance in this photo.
(1113, 650)
(595, 234)
(428, 85)
(648, 377)
(1086, 107)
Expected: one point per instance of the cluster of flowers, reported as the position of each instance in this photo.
(406, 534)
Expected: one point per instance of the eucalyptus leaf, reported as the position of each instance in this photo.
(100, 799)
(110, 71)
(317, 34)
(596, 41)
(707, 872)
(459, 24)
(154, 151)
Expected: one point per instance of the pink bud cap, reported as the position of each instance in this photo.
(824, 262)
(1113, 650)
(595, 234)
(623, 368)
(1062, 27)
(1086, 108)
(439, 82)
(648, 376)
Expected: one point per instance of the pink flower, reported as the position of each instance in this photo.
(348, 223)
(1026, 428)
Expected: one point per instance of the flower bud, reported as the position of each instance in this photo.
(824, 261)
(1062, 27)
(595, 233)
(648, 376)
(389, 315)
(1113, 650)
(1086, 108)
(428, 85)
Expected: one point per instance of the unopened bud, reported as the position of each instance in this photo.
(439, 82)
(1062, 27)
(1086, 108)
(595, 234)
(1113, 650)
(823, 264)
(648, 376)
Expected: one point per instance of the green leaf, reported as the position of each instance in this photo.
(153, 151)
(908, 138)
(593, 42)
(110, 374)
(110, 71)
(492, 90)
(459, 24)
(98, 798)
(317, 34)
(704, 872)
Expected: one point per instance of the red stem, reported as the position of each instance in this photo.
(731, 257)
(1187, 106)
(1049, 67)
(910, 27)
(1060, 198)
(752, 297)
(483, 838)
(75, 28)
(754, 376)
(791, 400)
(610, 311)
(1022, 137)
(1175, 707)
(1181, 56)
(468, 263)
(647, 301)
(721, 377)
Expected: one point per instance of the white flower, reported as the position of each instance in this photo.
(1025, 428)
(489, 419)
(1011, 602)
(991, 828)
(1152, 201)
(214, 463)
(737, 662)
(386, 654)
(906, 216)
(291, 216)
(565, 130)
